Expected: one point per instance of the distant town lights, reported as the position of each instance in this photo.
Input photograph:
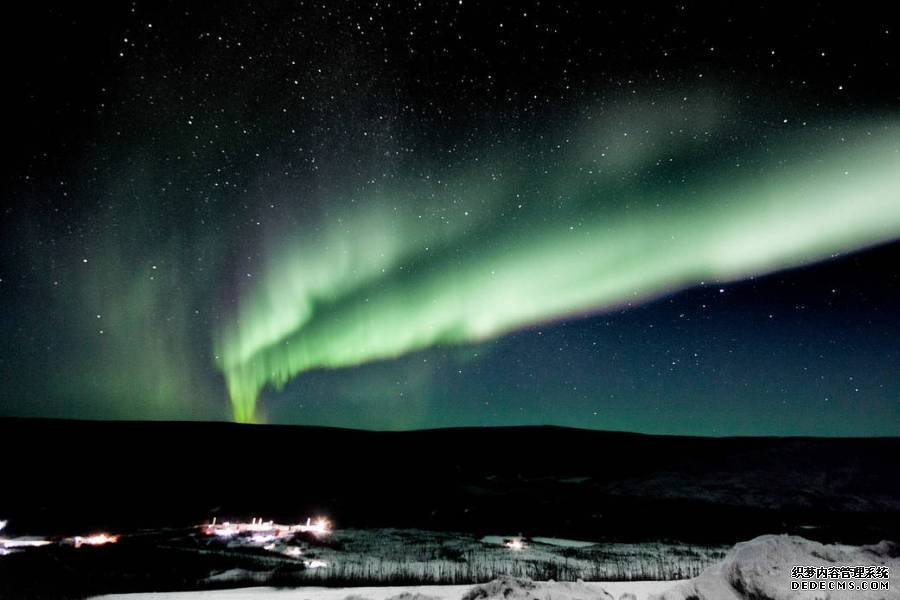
(98, 539)
(266, 531)
(24, 543)
(515, 544)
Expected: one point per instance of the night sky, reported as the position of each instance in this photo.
(400, 215)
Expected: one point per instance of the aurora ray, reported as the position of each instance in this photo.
(598, 227)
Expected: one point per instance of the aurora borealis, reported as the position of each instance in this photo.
(395, 287)
(400, 217)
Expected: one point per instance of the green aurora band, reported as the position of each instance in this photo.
(613, 220)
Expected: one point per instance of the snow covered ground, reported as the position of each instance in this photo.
(395, 556)
(510, 589)
(760, 569)
(500, 540)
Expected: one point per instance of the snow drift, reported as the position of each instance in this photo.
(761, 570)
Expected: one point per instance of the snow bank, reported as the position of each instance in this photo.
(761, 570)
(509, 588)
(506, 588)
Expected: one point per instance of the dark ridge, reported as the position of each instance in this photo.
(62, 477)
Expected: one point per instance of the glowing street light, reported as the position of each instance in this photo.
(321, 526)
